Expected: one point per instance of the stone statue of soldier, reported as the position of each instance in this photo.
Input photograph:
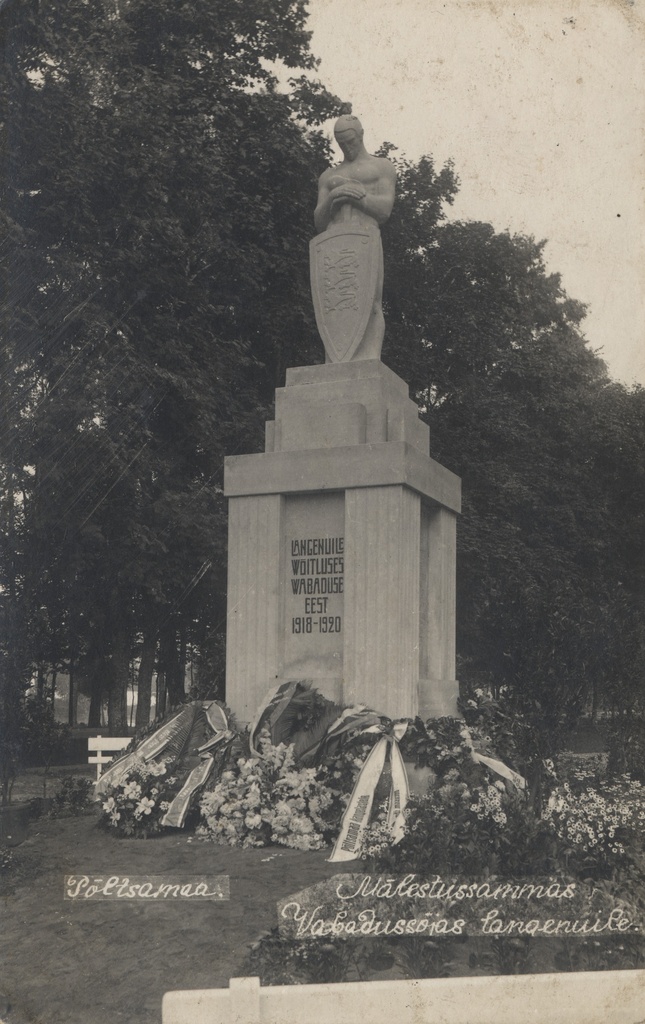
(354, 199)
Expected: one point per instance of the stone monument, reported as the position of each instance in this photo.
(341, 563)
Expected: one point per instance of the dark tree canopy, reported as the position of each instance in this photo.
(158, 201)
(551, 540)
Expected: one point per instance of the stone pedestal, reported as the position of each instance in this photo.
(342, 549)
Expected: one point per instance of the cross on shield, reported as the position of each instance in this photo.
(344, 267)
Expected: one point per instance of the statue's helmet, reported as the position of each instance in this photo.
(348, 122)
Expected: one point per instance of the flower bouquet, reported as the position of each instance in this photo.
(136, 803)
(269, 799)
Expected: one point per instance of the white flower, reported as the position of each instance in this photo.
(144, 807)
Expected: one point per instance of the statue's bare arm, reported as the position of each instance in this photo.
(379, 204)
(333, 190)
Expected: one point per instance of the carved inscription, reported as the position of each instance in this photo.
(313, 584)
(341, 280)
(317, 577)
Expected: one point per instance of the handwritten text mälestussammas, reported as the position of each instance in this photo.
(363, 905)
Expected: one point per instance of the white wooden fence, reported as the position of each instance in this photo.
(106, 747)
(593, 997)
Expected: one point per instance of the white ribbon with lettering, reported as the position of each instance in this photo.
(399, 790)
(357, 813)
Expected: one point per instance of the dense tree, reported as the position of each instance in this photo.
(154, 192)
(551, 553)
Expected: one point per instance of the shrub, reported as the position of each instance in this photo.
(31, 736)
(75, 795)
(44, 740)
(589, 769)
(467, 828)
(7, 860)
(281, 961)
(470, 820)
(626, 741)
(599, 830)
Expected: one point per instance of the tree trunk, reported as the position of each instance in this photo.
(72, 696)
(161, 693)
(146, 669)
(96, 700)
(117, 708)
(595, 700)
(118, 691)
(172, 666)
(183, 649)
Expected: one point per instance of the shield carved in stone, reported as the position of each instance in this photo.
(344, 266)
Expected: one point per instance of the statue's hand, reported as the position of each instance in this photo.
(348, 190)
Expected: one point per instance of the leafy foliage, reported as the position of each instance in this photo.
(469, 829)
(600, 822)
(75, 796)
(278, 961)
(155, 288)
(31, 736)
(44, 740)
(550, 556)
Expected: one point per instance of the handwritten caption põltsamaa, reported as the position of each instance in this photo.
(162, 888)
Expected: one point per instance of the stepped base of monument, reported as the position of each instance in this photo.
(342, 549)
(335, 404)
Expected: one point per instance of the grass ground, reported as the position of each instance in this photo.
(90, 962)
(64, 962)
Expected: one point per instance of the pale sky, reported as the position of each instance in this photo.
(541, 106)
